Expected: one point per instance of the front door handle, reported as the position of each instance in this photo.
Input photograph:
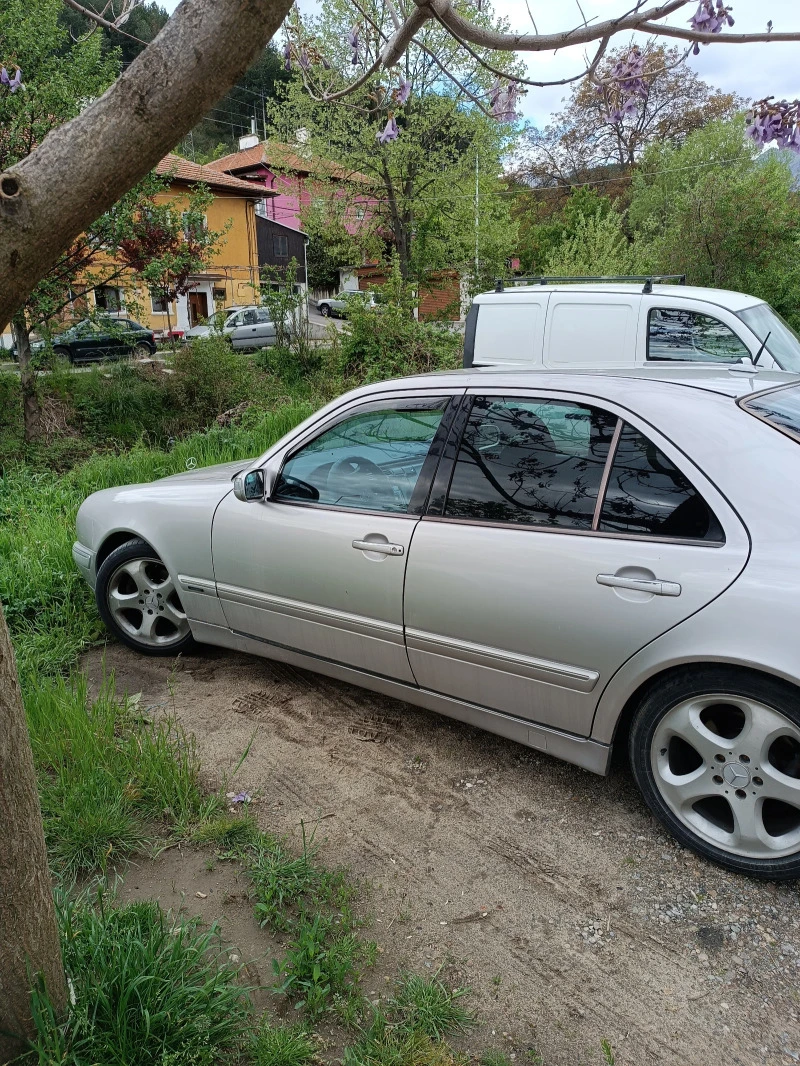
(382, 547)
(638, 584)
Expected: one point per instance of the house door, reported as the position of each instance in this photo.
(198, 307)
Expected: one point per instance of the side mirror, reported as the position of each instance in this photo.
(249, 487)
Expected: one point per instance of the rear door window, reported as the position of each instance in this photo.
(689, 336)
(647, 495)
(532, 462)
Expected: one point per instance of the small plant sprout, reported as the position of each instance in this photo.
(609, 1058)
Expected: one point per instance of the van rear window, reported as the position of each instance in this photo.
(780, 407)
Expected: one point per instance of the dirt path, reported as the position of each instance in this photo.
(596, 924)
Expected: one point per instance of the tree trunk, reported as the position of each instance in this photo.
(31, 409)
(29, 944)
(81, 169)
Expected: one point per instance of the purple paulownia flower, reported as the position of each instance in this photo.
(503, 102)
(304, 61)
(710, 17)
(11, 83)
(354, 44)
(627, 85)
(287, 56)
(402, 92)
(390, 131)
(775, 120)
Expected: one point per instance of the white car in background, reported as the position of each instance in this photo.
(245, 327)
(593, 323)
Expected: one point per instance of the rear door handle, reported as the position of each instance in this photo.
(379, 546)
(655, 587)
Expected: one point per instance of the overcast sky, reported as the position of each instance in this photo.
(753, 71)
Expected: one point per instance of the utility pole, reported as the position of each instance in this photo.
(477, 215)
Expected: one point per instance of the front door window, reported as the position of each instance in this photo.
(369, 461)
(675, 333)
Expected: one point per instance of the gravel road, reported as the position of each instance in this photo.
(550, 891)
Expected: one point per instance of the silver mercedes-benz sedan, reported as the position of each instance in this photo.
(572, 560)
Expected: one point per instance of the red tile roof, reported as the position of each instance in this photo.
(183, 170)
(278, 156)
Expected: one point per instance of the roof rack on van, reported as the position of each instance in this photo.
(647, 279)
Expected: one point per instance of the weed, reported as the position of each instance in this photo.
(320, 962)
(282, 1045)
(497, 980)
(144, 990)
(429, 1007)
(609, 1058)
(495, 1058)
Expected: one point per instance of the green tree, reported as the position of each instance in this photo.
(595, 247)
(721, 212)
(424, 182)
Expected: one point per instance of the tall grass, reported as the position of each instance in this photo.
(49, 608)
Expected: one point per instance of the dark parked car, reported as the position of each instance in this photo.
(113, 338)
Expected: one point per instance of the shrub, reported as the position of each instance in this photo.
(387, 341)
(210, 377)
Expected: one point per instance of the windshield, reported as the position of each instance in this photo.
(783, 344)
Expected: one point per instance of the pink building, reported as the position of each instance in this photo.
(300, 180)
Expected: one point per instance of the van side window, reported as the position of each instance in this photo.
(532, 462)
(675, 333)
(647, 494)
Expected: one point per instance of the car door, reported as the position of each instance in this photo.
(319, 567)
(524, 593)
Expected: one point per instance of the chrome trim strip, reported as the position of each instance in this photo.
(353, 623)
(601, 492)
(563, 674)
(582, 751)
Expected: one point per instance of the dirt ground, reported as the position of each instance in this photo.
(551, 892)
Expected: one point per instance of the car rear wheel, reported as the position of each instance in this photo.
(716, 754)
(139, 603)
(141, 351)
(324, 310)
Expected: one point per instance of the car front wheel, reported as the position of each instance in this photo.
(139, 603)
(64, 353)
(716, 754)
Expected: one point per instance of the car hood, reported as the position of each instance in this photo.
(222, 472)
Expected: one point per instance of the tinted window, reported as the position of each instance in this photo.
(647, 494)
(370, 461)
(537, 462)
(687, 335)
(781, 407)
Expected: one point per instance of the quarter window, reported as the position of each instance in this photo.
(370, 461)
(674, 333)
(647, 494)
(534, 462)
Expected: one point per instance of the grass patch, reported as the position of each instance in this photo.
(282, 1045)
(227, 832)
(410, 1029)
(107, 774)
(145, 989)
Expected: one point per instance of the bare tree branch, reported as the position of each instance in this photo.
(81, 169)
(99, 20)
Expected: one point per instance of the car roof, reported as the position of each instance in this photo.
(734, 301)
(733, 381)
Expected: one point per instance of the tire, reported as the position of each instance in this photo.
(716, 754)
(64, 353)
(141, 351)
(324, 310)
(134, 594)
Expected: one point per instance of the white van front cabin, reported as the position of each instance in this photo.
(558, 324)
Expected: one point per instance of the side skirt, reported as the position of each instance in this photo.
(582, 751)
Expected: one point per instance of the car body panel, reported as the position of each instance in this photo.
(320, 597)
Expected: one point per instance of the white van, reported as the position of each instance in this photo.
(588, 323)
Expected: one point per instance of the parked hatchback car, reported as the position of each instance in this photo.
(244, 327)
(94, 339)
(592, 324)
(572, 561)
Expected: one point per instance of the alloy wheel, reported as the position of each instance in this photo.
(142, 599)
(728, 767)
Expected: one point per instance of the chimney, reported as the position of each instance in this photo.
(250, 140)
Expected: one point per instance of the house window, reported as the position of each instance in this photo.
(194, 227)
(280, 247)
(158, 304)
(108, 298)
